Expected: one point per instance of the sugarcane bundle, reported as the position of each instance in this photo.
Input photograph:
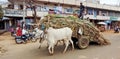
(74, 23)
(96, 34)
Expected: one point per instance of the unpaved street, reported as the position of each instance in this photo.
(31, 51)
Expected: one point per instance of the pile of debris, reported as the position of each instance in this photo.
(74, 23)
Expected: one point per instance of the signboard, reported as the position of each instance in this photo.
(13, 13)
(114, 18)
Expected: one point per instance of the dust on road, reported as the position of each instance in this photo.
(31, 51)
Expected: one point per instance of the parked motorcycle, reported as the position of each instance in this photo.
(116, 30)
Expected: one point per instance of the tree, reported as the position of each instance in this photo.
(33, 8)
(1, 12)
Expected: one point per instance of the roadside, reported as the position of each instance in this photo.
(2, 31)
(31, 51)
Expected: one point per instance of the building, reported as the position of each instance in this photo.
(4, 22)
(93, 1)
(95, 11)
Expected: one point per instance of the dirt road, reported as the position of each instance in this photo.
(31, 51)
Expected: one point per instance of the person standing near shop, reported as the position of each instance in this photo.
(82, 8)
(11, 30)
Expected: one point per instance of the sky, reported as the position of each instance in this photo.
(111, 2)
(3, 0)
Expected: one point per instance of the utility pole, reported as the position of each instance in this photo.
(33, 8)
(23, 23)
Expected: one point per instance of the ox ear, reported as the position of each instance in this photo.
(80, 31)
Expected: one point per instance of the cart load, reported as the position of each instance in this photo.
(90, 32)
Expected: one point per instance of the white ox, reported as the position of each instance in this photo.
(55, 35)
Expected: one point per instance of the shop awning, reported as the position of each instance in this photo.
(102, 23)
(5, 18)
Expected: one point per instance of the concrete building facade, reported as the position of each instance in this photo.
(95, 11)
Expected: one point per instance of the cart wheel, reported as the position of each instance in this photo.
(83, 42)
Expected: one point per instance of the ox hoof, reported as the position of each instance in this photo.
(63, 52)
(39, 47)
(51, 54)
(72, 49)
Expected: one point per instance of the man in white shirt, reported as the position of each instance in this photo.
(24, 33)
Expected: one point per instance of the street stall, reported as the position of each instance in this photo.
(102, 26)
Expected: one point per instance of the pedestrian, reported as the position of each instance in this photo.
(18, 31)
(24, 35)
(116, 29)
(12, 30)
(81, 10)
(18, 37)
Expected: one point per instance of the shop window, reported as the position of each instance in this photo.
(68, 10)
(16, 7)
(77, 12)
(38, 8)
(111, 13)
(44, 8)
(117, 14)
(103, 14)
(95, 12)
(10, 6)
(98, 12)
(20, 6)
(90, 11)
(29, 9)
